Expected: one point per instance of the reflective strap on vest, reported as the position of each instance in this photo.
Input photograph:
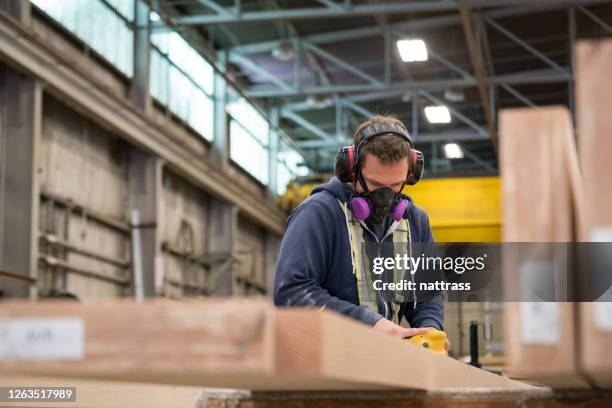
(360, 260)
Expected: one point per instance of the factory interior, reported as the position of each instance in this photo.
(159, 160)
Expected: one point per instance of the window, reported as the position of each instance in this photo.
(182, 80)
(289, 165)
(249, 139)
(104, 25)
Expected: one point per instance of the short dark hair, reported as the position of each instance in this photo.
(389, 149)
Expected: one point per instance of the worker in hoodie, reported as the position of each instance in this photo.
(322, 262)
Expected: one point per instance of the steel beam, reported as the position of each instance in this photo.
(226, 16)
(317, 12)
(411, 26)
(312, 128)
(596, 19)
(216, 7)
(456, 113)
(519, 96)
(357, 108)
(459, 135)
(486, 165)
(478, 67)
(237, 58)
(529, 77)
(525, 45)
(332, 4)
(338, 61)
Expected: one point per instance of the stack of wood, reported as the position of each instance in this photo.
(547, 200)
(233, 343)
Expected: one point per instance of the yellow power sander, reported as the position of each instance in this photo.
(432, 340)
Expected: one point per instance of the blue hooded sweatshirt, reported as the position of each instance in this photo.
(314, 266)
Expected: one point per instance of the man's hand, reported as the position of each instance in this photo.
(447, 343)
(392, 329)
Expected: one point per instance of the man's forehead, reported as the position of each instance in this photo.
(374, 180)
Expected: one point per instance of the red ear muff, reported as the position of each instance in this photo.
(413, 158)
(345, 164)
(417, 166)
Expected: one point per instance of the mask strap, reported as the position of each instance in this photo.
(362, 182)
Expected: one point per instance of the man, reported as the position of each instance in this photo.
(321, 257)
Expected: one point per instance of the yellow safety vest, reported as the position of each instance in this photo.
(360, 260)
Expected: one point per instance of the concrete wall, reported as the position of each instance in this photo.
(81, 165)
(184, 219)
(87, 156)
(250, 251)
(84, 184)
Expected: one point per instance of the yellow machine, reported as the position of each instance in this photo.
(433, 340)
(466, 209)
(299, 189)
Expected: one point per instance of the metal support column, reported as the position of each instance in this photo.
(145, 179)
(271, 248)
(221, 236)
(220, 145)
(273, 147)
(20, 9)
(139, 90)
(20, 128)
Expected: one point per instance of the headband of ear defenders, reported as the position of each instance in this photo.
(348, 158)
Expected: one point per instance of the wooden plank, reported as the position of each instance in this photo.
(97, 393)
(594, 103)
(245, 344)
(538, 398)
(537, 153)
(187, 343)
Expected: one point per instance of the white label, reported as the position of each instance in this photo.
(537, 281)
(540, 323)
(51, 338)
(602, 312)
(601, 234)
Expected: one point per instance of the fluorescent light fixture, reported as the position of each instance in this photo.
(453, 151)
(437, 114)
(284, 51)
(454, 95)
(412, 50)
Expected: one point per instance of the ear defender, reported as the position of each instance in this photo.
(345, 164)
(347, 158)
(417, 167)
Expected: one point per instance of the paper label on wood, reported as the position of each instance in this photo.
(601, 234)
(51, 338)
(603, 315)
(540, 323)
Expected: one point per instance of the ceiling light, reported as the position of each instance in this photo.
(453, 151)
(284, 51)
(412, 50)
(318, 102)
(454, 95)
(437, 114)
